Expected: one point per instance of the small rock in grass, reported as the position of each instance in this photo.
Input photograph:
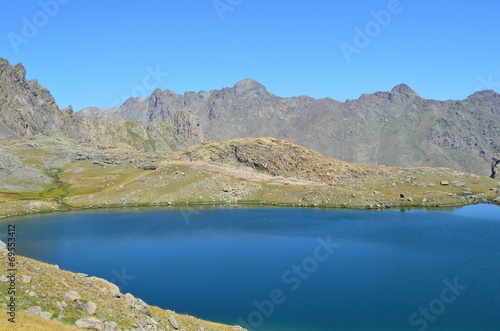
(35, 310)
(46, 315)
(110, 326)
(26, 279)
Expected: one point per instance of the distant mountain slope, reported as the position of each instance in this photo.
(28, 109)
(397, 128)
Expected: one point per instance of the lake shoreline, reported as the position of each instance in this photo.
(232, 246)
(251, 204)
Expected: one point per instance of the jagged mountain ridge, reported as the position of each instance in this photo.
(396, 128)
(27, 109)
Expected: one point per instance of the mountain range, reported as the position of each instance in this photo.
(396, 128)
(173, 151)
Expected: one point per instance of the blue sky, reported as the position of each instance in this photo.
(98, 53)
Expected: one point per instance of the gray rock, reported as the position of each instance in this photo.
(26, 279)
(3, 278)
(152, 320)
(173, 322)
(90, 308)
(141, 306)
(32, 294)
(129, 299)
(90, 323)
(150, 167)
(79, 304)
(110, 326)
(71, 296)
(459, 184)
(431, 184)
(35, 310)
(46, 315)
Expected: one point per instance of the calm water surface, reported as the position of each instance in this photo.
(324, 269)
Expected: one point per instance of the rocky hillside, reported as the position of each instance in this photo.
(280, 158)
(396, 128)
(28, 109)
(46, 174)
(52, 299)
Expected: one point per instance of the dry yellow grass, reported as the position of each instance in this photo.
(28, 322)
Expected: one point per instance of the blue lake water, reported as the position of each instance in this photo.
(289, 268)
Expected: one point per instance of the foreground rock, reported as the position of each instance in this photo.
(90, 323)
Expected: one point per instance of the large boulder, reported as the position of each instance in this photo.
(71, 296)
(90, 308)
(90, 323)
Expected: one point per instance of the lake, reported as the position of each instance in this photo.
(289, 268)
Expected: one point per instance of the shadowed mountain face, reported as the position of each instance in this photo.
(397, 128)
(28, 109)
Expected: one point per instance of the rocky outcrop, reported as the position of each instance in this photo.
(27, 109)
(397, 128)
(494, 166)
(279, 158)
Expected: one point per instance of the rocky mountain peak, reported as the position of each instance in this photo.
(485, 94)
(247, 85)
(404, 90)
(18, 71)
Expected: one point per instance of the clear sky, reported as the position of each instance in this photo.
(97, 53)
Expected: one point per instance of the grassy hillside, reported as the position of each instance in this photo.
(262, 170)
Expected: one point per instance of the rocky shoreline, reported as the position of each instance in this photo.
(50, 294)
